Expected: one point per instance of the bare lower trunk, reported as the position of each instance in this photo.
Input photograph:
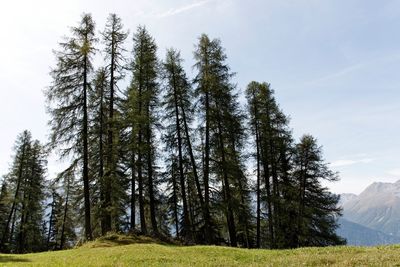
(85, 170)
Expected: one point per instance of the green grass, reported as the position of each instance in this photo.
(135, 251)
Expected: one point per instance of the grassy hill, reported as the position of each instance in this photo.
(124, 251)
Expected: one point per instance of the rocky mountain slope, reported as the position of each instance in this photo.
(377, 207)
(372, 217)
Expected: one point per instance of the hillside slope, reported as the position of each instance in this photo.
(358, 235)
(377, 207)
(168, 255)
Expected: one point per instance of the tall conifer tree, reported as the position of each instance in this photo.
(143, 101)
(223, 136)
(114, 37)
(22, 230)
(98, 133)
(68, 102)
(317, 207)
(273, 146)
(177, 103)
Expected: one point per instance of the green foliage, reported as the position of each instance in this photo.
(300, 212)
(68, 103)
(98, 144)
(5, 199)
(141, 120)
(318, 209)
(22, 229)
(66, 197)
(180, 164)
(224, 134)
(167, 152)
(113, 180)
(66, 94)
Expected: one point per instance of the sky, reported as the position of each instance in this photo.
(334, 66)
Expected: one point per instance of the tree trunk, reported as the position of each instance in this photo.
(14, 219)
(174, 188)
(133, 189)
(150, 174)
(258, 189)
(303, 180)
(143, 227)
(62, 238)
(244, 218)
(206, 173)
(275, 184)
(110, 139)
(24, 211)
(269, 204)
(85, 171)
(186, 218)
(22, 226)
(205, 210)
(101, 166)
(227, 194)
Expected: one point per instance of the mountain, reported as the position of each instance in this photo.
(358, 235)
(377, 207)
(346, 197)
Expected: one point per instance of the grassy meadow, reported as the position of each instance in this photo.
(134, 251)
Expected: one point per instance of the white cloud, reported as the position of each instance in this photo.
(355, 67)
(337, 74)
(177, 10)
(347, 162)
(394, 172)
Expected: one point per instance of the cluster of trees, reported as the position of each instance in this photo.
(22, 192)
(165, 156)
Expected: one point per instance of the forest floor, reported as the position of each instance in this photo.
(122, 251)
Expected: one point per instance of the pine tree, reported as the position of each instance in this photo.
(129, 134)
(113, 37)
(171, 177)
(130, 147)
(30, 236)
(68, 102)
(177, 103)
(317, 207)
(5, 198)
(16, 177)
(203, 194)
(97, 145)
(143, 100)
(223, 136)
(22, 230)
(66, 221)
(253, 109)
(273, 142)
(203, 80)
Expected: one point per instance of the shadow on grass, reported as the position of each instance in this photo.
(12, 259)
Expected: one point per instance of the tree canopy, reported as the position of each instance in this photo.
(155, 152)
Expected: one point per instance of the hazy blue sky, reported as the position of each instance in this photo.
(335, 66)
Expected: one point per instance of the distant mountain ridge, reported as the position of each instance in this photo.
(377, 207)
(372, 217)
